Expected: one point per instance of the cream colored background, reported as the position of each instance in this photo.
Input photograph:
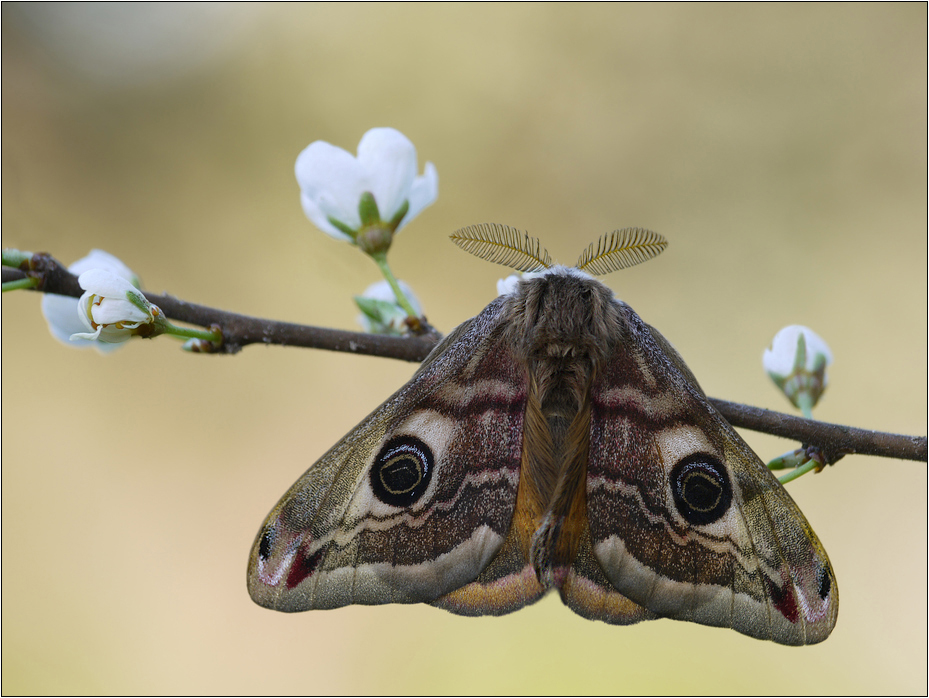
(781, 149)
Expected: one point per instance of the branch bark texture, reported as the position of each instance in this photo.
(238, 331)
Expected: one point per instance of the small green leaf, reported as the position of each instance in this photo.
(384, 317)
(375, 310)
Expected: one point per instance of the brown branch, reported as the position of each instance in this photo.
(238, 331)
(834, 440)
(241, 330)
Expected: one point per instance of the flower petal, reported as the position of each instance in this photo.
(62, 317)
(107, 337)
(333, 180)
(113, 310)
(105, 283)
(87, 336)
(320, 219)
(98, 259)
(423, 193)
(388, 159)
(84, 307)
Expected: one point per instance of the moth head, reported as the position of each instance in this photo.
(513, 248)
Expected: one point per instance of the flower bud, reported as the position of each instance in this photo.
(61, 313)
(113, 310)
(381, 314)
(796, 361)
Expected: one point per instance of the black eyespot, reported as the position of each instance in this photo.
(401, 472)
(825, 582)
(701, 489)
(264, 547)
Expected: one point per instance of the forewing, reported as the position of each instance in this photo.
(416, 500)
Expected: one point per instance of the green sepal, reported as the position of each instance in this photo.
(373, 308)
(367, 210)
(382, 314)
(139, 301)
(779, 381)
(800, 357)
(342, 227)
(398, 216)
(819, 367)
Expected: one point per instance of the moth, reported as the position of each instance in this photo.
(553, 442)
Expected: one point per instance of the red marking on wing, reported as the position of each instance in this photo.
(303, 566)
(785, 601)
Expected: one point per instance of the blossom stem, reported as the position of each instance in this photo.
(214, 336)
(797, 472)
(790, 460)
(28, 282)
(380, 258)
(15, 258)
(805, 403)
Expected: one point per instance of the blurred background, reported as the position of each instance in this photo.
(781, 150)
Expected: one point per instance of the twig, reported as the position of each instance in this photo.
(834, 440)
(238, 331)
(241, 330)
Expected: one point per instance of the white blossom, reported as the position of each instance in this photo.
(61, 311)
(332, 182)
(111, 309)
(796, 361)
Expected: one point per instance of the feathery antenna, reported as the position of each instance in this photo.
(621, 249)
(503, 245)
